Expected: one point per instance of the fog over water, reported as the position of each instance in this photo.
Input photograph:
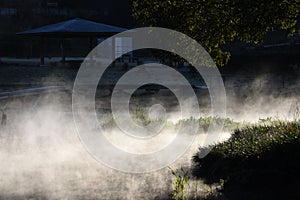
(42, 157)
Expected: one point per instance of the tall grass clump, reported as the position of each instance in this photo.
(180, 184)
(186, 187)
(141, 117)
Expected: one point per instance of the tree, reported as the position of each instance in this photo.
(215, 23)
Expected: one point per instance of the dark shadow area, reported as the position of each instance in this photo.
(271, 174)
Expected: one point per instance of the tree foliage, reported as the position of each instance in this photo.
(215, 23)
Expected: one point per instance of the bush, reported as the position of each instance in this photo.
(259, 157)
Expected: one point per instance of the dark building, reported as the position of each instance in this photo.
(20, 15)
(115, 12)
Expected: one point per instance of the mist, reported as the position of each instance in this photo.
(43, 157)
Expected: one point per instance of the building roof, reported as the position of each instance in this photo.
(73, 28)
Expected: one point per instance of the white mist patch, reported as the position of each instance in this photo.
(136, 146)
(42, 157)
(258, 105)
(158, 142)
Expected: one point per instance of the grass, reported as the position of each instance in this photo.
(228, 124)
(186, 187)
(254, 141)
(258, 161)
(180, 184)
(140, 116)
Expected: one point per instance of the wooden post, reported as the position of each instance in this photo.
(42, 49)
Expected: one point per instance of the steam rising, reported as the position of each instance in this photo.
(42, 157)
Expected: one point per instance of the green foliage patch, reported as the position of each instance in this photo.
(214, 24)
(259, 157)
